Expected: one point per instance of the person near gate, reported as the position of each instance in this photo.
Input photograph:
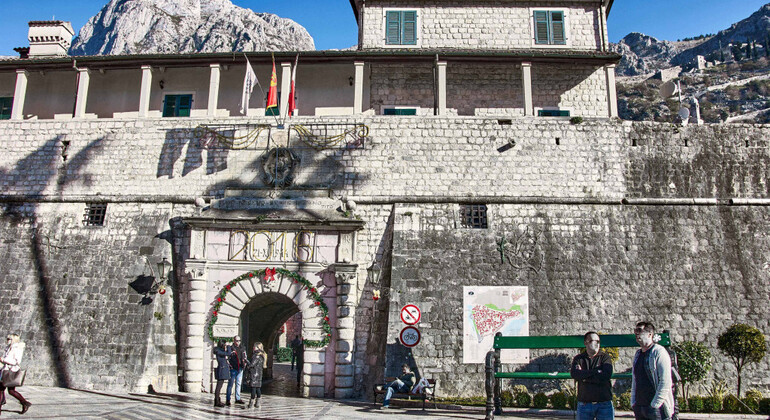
(11, 360)
(222, 372)
(592, 370)
(403, 383)
(651, 394)
(294, 350)
(236, 358)
(253, 373)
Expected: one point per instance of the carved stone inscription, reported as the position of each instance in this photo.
(272, 246)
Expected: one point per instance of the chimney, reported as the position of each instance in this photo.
(49, 38)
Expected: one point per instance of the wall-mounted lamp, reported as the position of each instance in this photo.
(373, 273)
(164, 267)
(161, 83)
(351, 80)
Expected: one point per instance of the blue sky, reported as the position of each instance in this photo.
(333, 24)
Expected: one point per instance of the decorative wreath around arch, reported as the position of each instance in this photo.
(268, 274)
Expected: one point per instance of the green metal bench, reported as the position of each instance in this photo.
(493, 364)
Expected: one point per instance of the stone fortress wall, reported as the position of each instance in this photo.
(652, 221)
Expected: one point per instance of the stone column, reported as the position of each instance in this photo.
(358, 98)
(346, 305)
(285, 88)
(526, 79)
(213, 90)
(441, 65)
(144, 94)
(194, 348)
(17, 112)
(84, 79)
(612, 94)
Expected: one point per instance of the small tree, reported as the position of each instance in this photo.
(743, 345)
(737, 51)
(694, 363)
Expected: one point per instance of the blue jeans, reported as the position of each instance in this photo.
(236, 377)
(595, 411)
(394, 387)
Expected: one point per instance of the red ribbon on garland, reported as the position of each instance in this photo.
(270, 274)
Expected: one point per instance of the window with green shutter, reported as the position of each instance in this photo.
(401, 27)
(550, 28)
(5, 108)
(177, 105)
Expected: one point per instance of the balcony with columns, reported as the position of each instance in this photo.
(328, 83)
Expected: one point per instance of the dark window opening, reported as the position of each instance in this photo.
(5, 108)
(177, 105)
(94, 215)
(552, 113)
(399, 111)
(474, 216)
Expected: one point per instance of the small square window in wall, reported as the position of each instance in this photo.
(550, 28)
(401, 27)
(94, 215)
(474, 216)
(5, 108)
(177, 105)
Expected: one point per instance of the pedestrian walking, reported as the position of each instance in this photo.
(651, 394)
(300, 360)
(294, 349)
(253, 373)
(236, 357)
(592, 370)
(11, 361)
(222, 372)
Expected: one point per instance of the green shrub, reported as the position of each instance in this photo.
(559, 400)
(764, 406)
(283, 354)
(682, 403)
(754, 393)
(731, 404)
(572, 402)
(744, 345)
(749, 406)
(712, 404)
(523, 399)
(694, 363)
(695, 404)
(624, 401)
(540, 400)
(506, 398)
(576, 120)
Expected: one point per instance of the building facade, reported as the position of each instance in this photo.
(441, 154)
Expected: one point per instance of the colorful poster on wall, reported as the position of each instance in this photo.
(489, 309)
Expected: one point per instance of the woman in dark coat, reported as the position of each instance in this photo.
(253, 373)
(222, 373)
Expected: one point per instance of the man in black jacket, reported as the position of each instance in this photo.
(236, 358)
(592, 370)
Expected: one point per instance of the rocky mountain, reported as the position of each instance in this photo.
(643, 54)
(186, 26)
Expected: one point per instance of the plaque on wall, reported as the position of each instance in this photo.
(225, 330)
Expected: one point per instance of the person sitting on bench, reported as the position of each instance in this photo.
(403, 384)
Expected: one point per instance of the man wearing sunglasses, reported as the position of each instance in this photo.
(651, 395)
(593, 370)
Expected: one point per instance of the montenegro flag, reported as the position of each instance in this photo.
(272, 94)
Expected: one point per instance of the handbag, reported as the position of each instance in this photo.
(13, 379)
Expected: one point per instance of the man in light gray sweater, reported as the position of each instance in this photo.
(651, 395)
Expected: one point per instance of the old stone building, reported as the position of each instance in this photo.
(441, 154)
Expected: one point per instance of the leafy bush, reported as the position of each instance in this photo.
(559, 400)
(754, 393)
(283, 354)
(506, 398)
(576, 120)
(764, 406)
(718, 389)
(694, 361)
(624, 401)
(695, 404)
(523, 399)
(572, 402)
(731, 404)
(540, 400)
(682, 402)
(744, 345)
(749, 406)
(712, 404)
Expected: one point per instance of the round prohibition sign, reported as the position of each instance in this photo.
(410, 314)
(410, 336)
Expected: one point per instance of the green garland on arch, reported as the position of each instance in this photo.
(297, 279)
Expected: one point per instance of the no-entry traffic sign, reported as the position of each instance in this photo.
(410, 314)
(409, 336)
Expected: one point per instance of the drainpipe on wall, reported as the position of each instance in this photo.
(603, 24)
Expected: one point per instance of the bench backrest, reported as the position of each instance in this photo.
(571, 341)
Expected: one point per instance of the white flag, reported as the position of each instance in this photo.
(248, 85)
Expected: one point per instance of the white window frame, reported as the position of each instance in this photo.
(384, 27)
(532, 28)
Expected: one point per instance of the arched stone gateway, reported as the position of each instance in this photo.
(229, 293)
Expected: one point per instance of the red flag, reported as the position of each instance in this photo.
(292, 100)
(272, 94)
